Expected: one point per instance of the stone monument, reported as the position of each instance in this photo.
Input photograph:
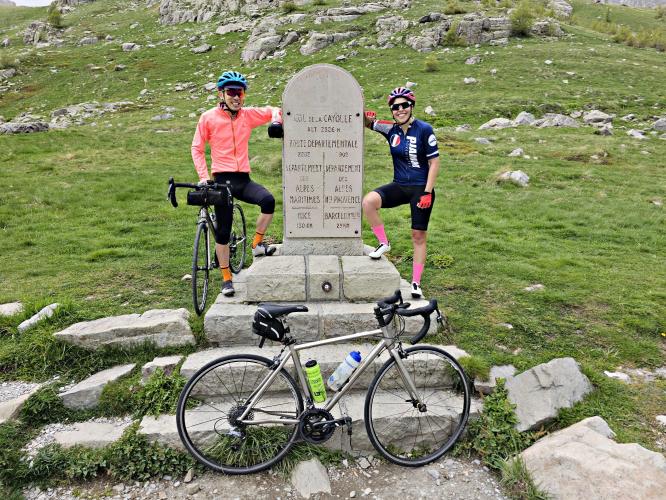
(322, 165)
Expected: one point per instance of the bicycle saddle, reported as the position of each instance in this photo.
(276, 310)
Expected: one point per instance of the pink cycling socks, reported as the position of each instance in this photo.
(417, 270)
(380, 234)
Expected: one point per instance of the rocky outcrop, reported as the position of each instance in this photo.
(561, 7)
(201, 11)
(430, 37)
(583, 461)
(540, 392)
(265, 39)
(319, 41)
(476, 28)
(38, 31)
(387, 27)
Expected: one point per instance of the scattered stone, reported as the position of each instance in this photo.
(636, 134)
(410, 85)
(429, 111)
(548, 62)
(465, 127)
(657, 202)
(161, 117)
(310, 477)
(517, 152)
(166, 363)
(201, 49)
(86, 393)
(130, 46)
(319, 41)
(189, 476)
(555, 120)
(540, 392)
(431, 18)
(469, 80)
(517, 177)
(497, 123)
(23, 128)
(12, 402)
(473, 60)
(6, 43)
(595, 116)
(134, 26)
(534, 288)
(11, 308)
(661, 419)
(364, 463)
(576, 114)
(433, 473)
(628, 118)
(488, 386)
(493, 71)
(89, 40)
(6, 74)
(606, 129)
(618, 376)
(482, 140)
(192, 489)
(508, 326)
(583, 461)
(524, 118)
(164, 327)
(660, 125)
(44, 313)
(119, 67)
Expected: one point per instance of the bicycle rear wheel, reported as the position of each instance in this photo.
(237, 240)
(214, 399)
(203, 249)
(405, 434)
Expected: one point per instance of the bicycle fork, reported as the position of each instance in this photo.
(398, 355)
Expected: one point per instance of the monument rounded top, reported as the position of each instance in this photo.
(320, 85)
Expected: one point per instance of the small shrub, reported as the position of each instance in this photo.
(660, 12)
(441, 261)
(159, 395)
(454, 7)
(452, 37)
(475, 367)
(119, 398)
(518, 482)
(43, 407)
(54, 17)
(522, 18)
(430, 65)
(289, 7)
(493, 435)
(49, 462)
(85, 463)
(133, 458)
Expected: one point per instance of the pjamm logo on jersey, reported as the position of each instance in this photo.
(395, 140)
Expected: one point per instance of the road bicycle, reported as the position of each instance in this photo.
(242, 413)
(204, 258)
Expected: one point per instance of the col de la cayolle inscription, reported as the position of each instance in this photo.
(322, 154)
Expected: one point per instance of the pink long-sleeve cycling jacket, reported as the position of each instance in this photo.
(228, 138)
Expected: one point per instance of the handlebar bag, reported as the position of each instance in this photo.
(206, 197)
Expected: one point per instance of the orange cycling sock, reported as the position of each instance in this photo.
(257, 239)
(226, 274)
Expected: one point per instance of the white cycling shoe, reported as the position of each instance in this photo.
(417, 293)
(263, 249)
(380, 250)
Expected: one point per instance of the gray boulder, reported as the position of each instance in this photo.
(660, 125)
(23, 128)
(233, 27)
(524, 118)
(319, 41)
(10, 409)
(37, 31)
(11, 308)
(547, 27)
(6, 43)
(488, 386)
(259, 48)
(164, 327)
(561, 7)
(310, 478)
(88, 40)
(167, 364)
(555, 120)
(201, 49)
(517, 177)
(429, 37)
(431, 18)
(130, 46)
(583, 461)
(86, 393)
(596, 117)
(6, 74)
(388, 26)
(497, 123)
(540, 392)
(45, 312)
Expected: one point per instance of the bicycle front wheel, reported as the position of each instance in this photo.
(203, 246)
(237, 240)
(401, 431)
(214, 399)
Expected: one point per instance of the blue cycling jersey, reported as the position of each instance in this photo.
(410, 151)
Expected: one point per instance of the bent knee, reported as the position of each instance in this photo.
(267, 204)
(419, 237)
(372, 201)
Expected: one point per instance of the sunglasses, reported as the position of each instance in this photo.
(401, 105)
(234, 92)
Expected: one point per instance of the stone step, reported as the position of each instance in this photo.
(163, 429)
(328, 357)
(86, 393)
(229, 322)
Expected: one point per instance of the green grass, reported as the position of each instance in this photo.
(84, 219)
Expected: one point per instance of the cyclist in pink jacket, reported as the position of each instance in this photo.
(227, 129)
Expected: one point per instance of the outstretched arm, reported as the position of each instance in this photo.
(199, 151)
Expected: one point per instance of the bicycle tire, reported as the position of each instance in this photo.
(237, 240)
(209, 391)
(201, 267)
(443, 387)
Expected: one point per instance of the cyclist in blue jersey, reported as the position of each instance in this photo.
(415, 167)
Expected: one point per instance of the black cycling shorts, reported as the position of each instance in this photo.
(243, 189)
(394, 195)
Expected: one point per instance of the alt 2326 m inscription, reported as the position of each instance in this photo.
(323, 154)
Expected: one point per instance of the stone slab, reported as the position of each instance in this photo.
(90, 435)
(161, 429)
(322, 246)
(583, 461)
(231, 324)
(274, 278)
(11, 408)
(166, 363)
(45, 312)
(488, 386)
(86, 393)
(323, 270)
(10, 308)
(310, 477)
(164, 327)
(366, 279)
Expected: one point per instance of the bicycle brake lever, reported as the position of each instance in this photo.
(439, 318)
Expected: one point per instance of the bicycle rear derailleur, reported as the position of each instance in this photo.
(318, 425)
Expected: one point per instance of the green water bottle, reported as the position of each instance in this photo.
(315, 381)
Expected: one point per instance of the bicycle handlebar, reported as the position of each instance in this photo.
(390, 306)
(171, 192)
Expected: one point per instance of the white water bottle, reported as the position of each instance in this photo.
(344, 371)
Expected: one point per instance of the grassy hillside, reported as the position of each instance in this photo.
(85, 222)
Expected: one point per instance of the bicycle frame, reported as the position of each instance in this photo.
(386, 343)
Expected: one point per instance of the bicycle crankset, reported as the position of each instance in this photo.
(317, 425)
